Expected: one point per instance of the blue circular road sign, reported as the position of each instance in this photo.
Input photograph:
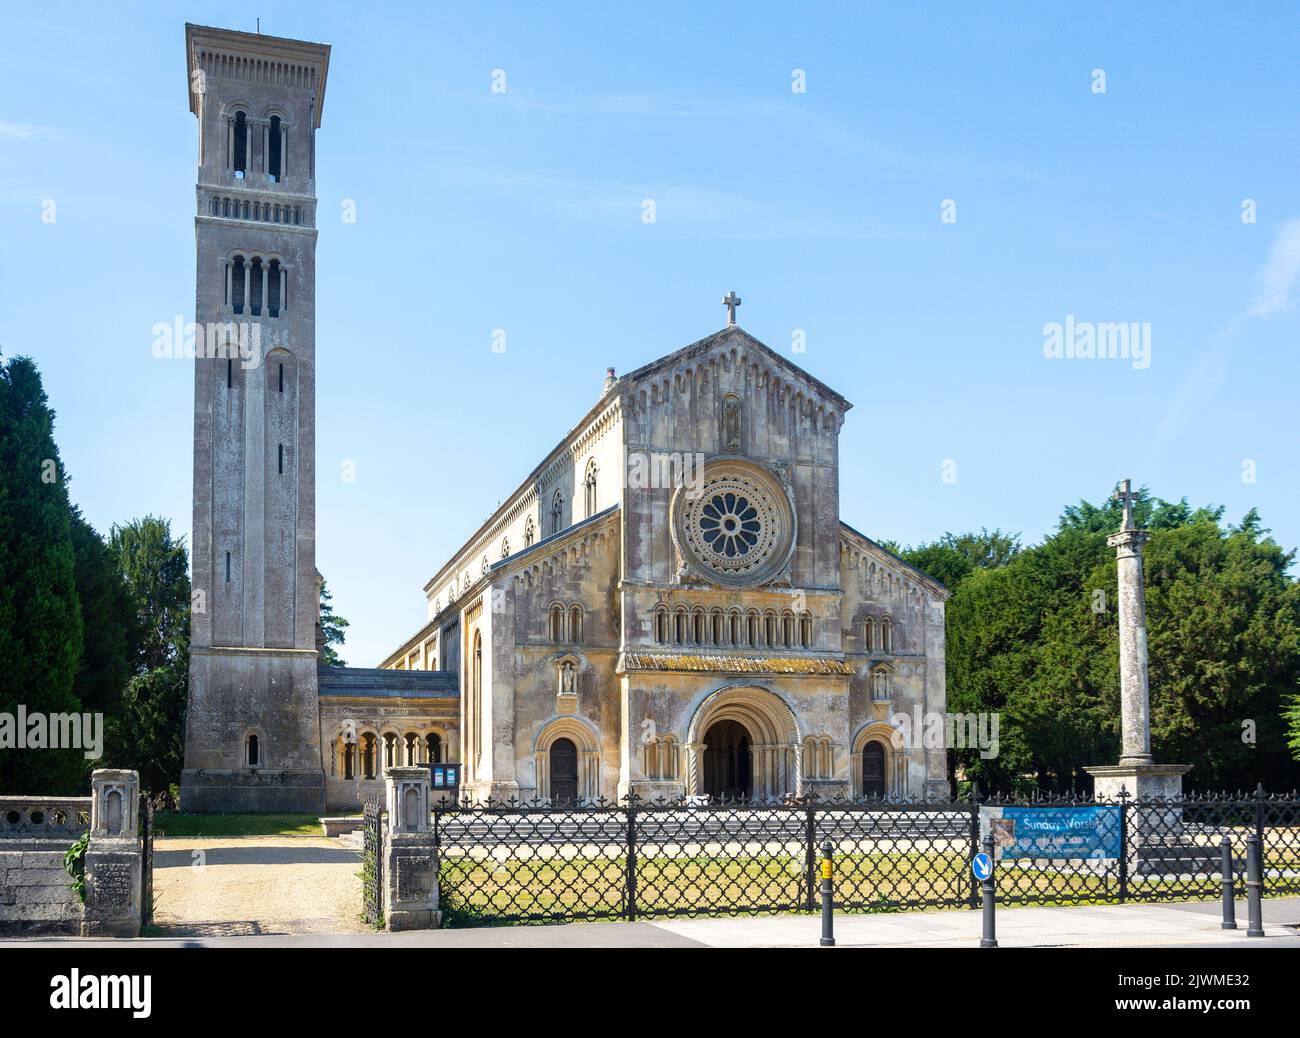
(981, 865)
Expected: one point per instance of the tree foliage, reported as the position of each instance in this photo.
(333, 627)
(1036, 639)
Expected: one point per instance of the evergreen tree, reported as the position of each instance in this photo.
(334, 628)
(40, 621)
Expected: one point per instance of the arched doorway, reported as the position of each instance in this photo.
(564, 771)
(873, 770)
(728, 761)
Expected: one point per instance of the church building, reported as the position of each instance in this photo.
(668, 605)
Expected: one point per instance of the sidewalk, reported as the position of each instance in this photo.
(1102, 926)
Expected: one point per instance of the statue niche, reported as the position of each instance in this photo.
(731, 424)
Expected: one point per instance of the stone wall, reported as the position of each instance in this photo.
(36, 895)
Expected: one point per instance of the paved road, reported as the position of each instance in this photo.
(1109, 926)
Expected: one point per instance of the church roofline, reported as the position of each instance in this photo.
(377, 683)
(256, 44)
(933, 583)
(733, 331)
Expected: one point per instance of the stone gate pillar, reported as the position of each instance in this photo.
(411, 868)
(113, 856)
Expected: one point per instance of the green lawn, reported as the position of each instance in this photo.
(169, 823)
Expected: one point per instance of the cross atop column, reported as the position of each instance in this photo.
(1125, 495)
(731, 301)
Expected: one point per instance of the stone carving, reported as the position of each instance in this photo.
(731, 418)
(413, 875)
(740, 530)
(112, 886)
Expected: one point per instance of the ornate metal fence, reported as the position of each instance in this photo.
(372, 862)
(530, 862)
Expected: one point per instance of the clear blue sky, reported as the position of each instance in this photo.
(522, 211)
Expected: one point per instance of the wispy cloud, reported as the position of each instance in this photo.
(16, 131)
(1278, 277)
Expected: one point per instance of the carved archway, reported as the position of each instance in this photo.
(587, 742)
(774, 745)
(880, 736)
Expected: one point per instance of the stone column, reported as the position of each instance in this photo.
(694, 768)
(1135, 701)
(1136, 773)
(411, 865)
(113, 856)
(797, 765)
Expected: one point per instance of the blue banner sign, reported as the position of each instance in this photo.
(1053, 832)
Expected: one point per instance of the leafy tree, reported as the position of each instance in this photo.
(107, 616)
(953, 556)
(40, 620)
(150, 731)
(1037, 640)
(333, 627)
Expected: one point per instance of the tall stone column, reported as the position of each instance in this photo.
(1136, 773)
(1135, 696)
(695, 768)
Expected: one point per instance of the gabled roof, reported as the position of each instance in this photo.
(933, 583)
(731, 335)
(373, 683)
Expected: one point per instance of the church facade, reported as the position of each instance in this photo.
(669, 604)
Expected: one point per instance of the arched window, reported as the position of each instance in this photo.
(368, 756)
(274, 144)
(770, 634)
(530, 532)
(753, 636)
(661, 625)
(680, 623)
(349, 760)
(589, 488)
(886, 635)
(505, 547)
(716, 623)
(869, 635)
(255, 287)
(253, 752)
(273, 285)
(390, 751)
(787, 629)
(575, 624)
(557, 512)
(698, 625)
(433, 748)
(555, 626)
(237, 284)
(735, 623)
(805, 631)
(239, 143)
(412, 745)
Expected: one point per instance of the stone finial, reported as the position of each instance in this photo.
(115, 800)
(1125, 496)
(408, 800)
(610, 379)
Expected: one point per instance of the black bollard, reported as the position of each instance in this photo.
(828, 898)
(1229, 885)
(990, 937)
(1254, 888)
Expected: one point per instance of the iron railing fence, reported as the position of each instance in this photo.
(512, 861)
(372, 862)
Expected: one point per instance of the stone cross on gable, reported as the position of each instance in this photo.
(1125, 495)
(731, 301)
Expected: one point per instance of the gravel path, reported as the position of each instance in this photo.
(256, 885)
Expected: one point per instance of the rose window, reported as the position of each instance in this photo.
(730, 525)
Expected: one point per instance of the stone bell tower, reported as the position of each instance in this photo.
(252, 740)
